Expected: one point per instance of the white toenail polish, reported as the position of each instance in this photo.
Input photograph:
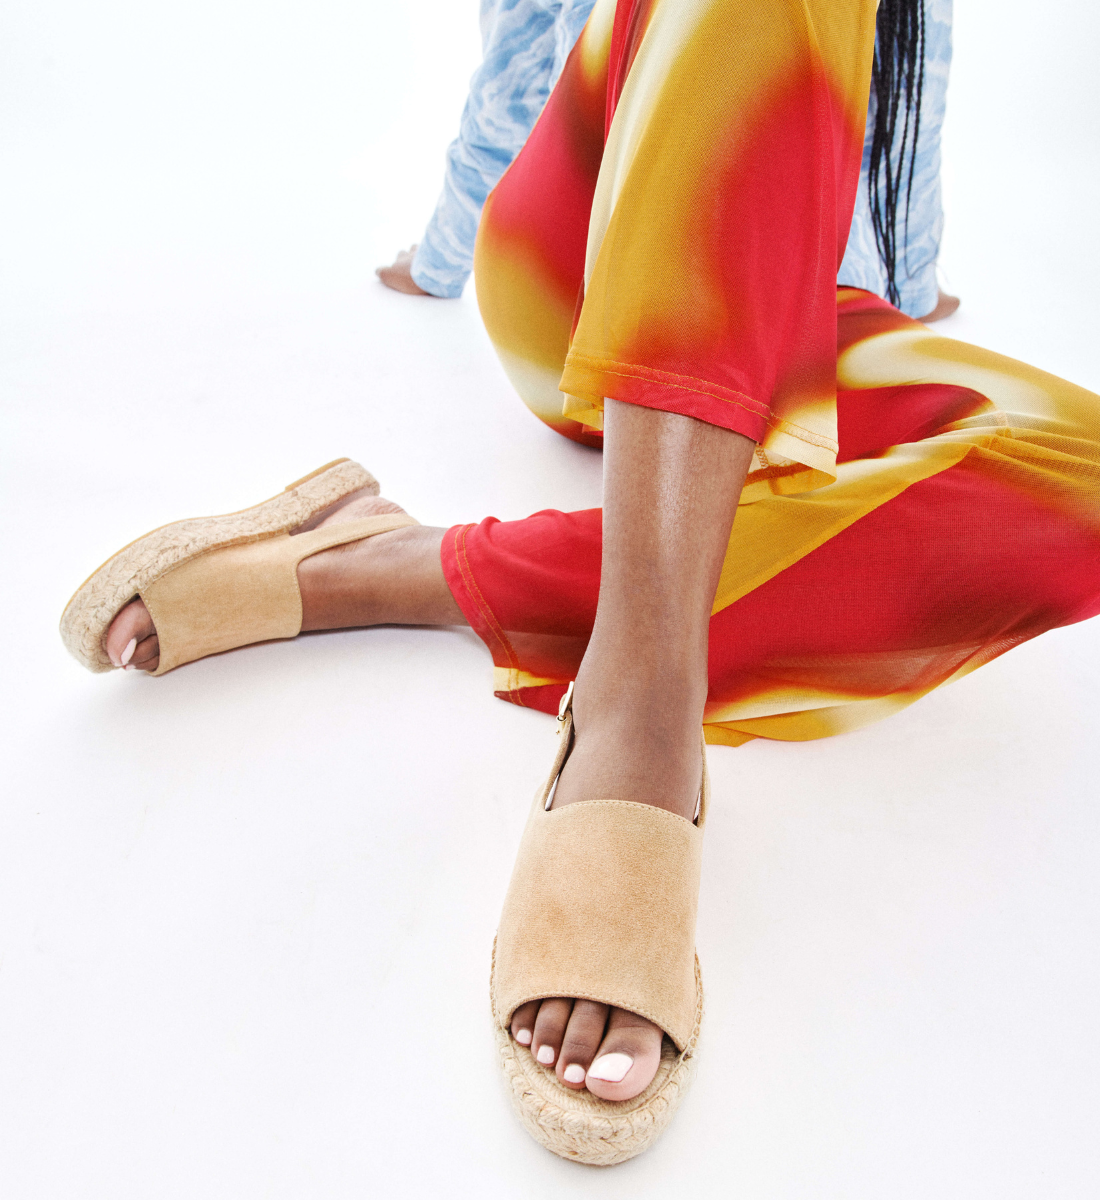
(523, 1036)
(611, 1068)
(574, 1073)
(127, 654)
(546, 1055)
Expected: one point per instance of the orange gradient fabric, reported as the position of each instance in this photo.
(670, 236)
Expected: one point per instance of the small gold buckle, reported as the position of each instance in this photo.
(563, 707)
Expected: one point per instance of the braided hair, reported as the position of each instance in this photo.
(898, 71)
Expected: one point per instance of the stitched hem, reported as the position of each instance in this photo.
(588, 377)
(725, 407)
(674, 379)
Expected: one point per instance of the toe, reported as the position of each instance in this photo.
(131, 629)
(627, 1058)
(523, 1022)
(549, 1030)
(146, 656)
(582, 1039)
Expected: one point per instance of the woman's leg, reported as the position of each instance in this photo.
(961, 523)
(671, 485)
(672, 235)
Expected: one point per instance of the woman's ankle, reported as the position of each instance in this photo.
(395, 578)
(635, 743)
(638, 691)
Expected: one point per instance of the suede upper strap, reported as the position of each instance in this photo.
(602, 906)
(234, 595)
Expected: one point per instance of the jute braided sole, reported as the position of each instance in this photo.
(584, 1128)
(89, 613)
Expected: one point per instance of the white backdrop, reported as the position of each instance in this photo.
(246, 910)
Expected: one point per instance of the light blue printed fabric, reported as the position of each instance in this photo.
(915, 271)
(526, 43)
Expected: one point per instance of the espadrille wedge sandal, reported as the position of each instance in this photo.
(584, 918)
(215, 583)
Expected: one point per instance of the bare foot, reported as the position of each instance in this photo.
(398, 275)
(945, 306)
(642, 753)
(335, 584)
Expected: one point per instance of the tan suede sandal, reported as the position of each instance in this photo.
(215, 583)
(584, 917)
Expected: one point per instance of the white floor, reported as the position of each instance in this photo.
(246, 909)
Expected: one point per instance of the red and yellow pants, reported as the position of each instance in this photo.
(670, 237)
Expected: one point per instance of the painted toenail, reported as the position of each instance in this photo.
(523, 1036)
(611, 1068)
(128, 653)
(574, 1073)
(545, 1055)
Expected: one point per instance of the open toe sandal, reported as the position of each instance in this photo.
(601, 906)
(214, 583)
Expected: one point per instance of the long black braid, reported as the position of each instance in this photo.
(897, 80)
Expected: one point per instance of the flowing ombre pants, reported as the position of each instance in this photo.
(669, 236)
